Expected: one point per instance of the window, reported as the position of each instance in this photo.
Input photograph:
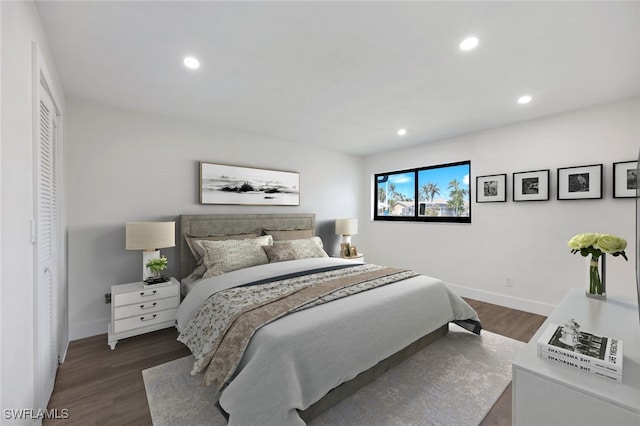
(396, 194)
(428, 194)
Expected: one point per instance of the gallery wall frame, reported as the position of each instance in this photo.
(531, 186)
(491, 188)
(625, 179)
(580, 183)
(239, 185)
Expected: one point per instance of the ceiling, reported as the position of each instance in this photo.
(347, 75)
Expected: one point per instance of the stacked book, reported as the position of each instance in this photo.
(597, 355)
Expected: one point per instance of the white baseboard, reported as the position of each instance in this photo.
(63, 354)
(88, 329)
(503, 300)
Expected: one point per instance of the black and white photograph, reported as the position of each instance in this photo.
(580, 183)
(225, 184)
(632, 179)
(491, 188)
(531, 186)
(625, 179)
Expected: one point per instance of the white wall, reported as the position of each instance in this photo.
(20, 26)
(123, 166)
(524, 240)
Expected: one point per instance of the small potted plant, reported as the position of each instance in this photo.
(157, 265)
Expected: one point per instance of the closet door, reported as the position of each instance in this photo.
(47, 247)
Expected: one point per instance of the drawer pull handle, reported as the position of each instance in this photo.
(148, 319)
(142, 293)
(153, 305)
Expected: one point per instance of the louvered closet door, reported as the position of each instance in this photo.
(47, 251)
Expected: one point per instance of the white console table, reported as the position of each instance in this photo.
(545, 393)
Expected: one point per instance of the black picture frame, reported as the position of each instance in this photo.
(491, 188)
(580, 182)
(625, 179)
(532, 185)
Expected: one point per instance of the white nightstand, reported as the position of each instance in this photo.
(138, 309)
(359, 257)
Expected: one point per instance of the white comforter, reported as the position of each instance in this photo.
(294, 361)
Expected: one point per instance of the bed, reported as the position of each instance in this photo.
(312, 353)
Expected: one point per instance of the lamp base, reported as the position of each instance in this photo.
(346, 239)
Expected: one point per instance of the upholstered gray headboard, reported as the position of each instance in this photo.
(225, 224)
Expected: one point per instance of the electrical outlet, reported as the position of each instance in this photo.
(107, 298)
(509, 282)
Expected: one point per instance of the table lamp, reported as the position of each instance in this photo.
(346, 228)
(149, 237)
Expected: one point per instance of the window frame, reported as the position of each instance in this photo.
(416, 216)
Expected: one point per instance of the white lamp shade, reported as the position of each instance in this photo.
(150, 235)
(346, 226)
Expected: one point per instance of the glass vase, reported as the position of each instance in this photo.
(596, 283)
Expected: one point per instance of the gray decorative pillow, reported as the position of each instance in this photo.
(290, 234)
(230, 255)
(306, 248)
(198, 252)
(280, 252)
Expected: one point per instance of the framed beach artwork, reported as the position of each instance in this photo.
(491, 188)
(580, 183)
(531, 186)
(625, 179)
(225, 184)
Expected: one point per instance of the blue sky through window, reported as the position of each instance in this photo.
(442, 176)
(405, 185)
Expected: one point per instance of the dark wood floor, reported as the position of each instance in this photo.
(103, 387)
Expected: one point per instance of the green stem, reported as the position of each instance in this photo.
(595, 284)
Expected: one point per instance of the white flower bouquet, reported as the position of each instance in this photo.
(595, 245)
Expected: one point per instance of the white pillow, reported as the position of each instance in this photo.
(306, 248)
(230, 255)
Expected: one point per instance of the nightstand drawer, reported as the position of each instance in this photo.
(145, 294)
(145, 307)
(145, 320)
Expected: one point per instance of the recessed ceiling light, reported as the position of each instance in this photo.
(525, 99)
(468, 43)
(402, 132)
(191, 63)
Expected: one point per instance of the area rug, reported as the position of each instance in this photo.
(454, 381)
